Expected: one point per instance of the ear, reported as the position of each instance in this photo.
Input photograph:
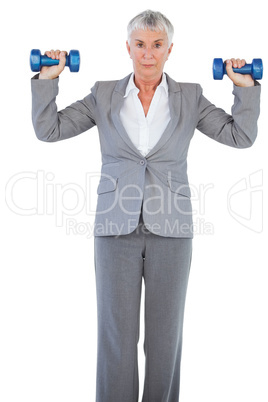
(170, 49)
(128, 48)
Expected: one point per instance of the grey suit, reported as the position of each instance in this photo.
(159, 181)
(143, 226)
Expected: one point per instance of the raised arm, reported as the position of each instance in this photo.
(49, 124)
(239, 129)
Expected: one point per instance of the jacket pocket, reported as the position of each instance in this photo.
(179, 188)
(107, 185)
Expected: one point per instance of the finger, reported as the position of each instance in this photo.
(234, 62)
(239, 63)
(52, 54)
(57, 54)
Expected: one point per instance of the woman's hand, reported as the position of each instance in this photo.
(240, 80)
(51, 72)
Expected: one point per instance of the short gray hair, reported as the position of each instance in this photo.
(153, 21)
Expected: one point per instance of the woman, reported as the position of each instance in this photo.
(143, 226)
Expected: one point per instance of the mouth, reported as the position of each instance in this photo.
(148, 65)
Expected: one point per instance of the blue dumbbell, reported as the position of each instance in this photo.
(255, 69)
(37, 60)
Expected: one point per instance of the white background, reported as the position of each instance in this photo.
(47, 283)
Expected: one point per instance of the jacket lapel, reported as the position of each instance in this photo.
(117, 103)
(174, 105)
(175, 110)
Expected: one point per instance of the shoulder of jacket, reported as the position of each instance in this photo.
(102, 86)
(189, 86)
(190, 91)
(185, 88)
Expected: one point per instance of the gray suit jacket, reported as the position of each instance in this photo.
(156, 184)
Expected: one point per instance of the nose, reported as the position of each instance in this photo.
(148, 53)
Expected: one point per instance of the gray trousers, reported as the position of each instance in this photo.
(121, 263)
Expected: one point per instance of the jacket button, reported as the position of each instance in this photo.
(142, 162)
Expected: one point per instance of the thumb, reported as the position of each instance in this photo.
(62, 60)
(229, 69)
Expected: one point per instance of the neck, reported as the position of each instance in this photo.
(147, 85)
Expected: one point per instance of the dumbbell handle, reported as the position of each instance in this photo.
(246, 69)
(48, 61)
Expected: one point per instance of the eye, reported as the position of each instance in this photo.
(139, 45)
(158, 45)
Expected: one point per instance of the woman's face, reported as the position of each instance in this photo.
(149, 51)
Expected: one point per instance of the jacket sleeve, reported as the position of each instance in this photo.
(238, 130)
(51, 125)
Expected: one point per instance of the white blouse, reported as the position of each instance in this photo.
(145, 131)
